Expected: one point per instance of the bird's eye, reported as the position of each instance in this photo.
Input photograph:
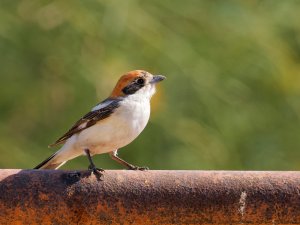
(140, 81)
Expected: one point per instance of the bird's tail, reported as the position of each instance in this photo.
(50, 163)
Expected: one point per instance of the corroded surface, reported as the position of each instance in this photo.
(149, 197)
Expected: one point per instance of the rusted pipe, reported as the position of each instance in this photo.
(149, 197)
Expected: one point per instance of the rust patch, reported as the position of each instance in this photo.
(152, 197)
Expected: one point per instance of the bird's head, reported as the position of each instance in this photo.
(137, 82)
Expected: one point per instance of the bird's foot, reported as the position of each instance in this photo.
(139, 168)
(98, 172)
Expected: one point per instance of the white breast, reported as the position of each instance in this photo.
(134, 115)
(121, 128)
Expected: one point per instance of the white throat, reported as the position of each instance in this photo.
(144, 94)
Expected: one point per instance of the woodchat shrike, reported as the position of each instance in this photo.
(110, 125)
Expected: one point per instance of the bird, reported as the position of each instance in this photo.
(110, 125)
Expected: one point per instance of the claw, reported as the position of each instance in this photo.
(98, 172)
(139, 168)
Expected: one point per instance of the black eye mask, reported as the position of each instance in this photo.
(132, 88)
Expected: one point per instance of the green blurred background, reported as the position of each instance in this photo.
(231, 100)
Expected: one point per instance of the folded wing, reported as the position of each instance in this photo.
(99, 112)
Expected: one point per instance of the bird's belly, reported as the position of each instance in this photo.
(121, 128)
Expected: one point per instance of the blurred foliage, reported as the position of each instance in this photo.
(231, 100)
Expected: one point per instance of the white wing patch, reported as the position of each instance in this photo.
(102, 105)
(81, 126)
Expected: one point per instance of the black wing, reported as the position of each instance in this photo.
(90, 119)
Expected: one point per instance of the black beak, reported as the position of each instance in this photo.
(157, 78)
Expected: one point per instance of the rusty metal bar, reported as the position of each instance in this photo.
(149, 197)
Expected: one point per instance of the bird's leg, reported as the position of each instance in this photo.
(92, 167)
(114, 156)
